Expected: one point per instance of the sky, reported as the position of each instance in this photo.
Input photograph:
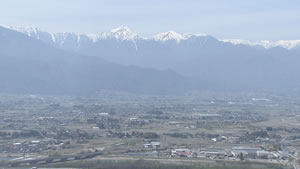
(224, 19)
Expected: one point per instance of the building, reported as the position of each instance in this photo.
(147, 145)
(246, 151)
(154, 145)
(103, 114)
(267, 155)
(133, 119)
(181, 153)
(212, 153)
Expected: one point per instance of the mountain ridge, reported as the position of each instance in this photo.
(199, 62)
(30, 66)
(125, 33)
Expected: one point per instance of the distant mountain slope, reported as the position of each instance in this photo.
(287, 44)
(28, 65)
(228, 64)
(124, 33)
(164, 50)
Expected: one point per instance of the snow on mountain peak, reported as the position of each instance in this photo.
(94, 37)
(6, 27)
(122, 29)
(121, 33)
(237, 41)
(172, 35)
(29, 31)
(125, 33)
(287, 44)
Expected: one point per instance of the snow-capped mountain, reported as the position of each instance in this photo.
(122, 45)
(121, 33)
(287, 44)
(202, 57)
(124, 33)
(168, 50)
(174, 36)
(28, 65)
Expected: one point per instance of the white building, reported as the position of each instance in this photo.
(152, 145)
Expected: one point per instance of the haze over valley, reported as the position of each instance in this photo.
(138, 84)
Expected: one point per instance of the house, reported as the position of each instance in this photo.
(132, 119)
(181, 153)
(212, 153)
(147, 145)
(103, 114)
(154, 145)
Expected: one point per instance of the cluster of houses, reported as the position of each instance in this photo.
(236, 152)
(256, 152)
(219, 153)
(33, 146)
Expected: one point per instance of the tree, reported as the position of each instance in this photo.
(242, 156)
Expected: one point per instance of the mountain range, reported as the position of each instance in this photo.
(122, 60)
(125, 33)
(28, 65)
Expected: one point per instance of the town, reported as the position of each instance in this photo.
(40, 130)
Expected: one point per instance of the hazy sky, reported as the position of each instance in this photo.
(243, 19)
